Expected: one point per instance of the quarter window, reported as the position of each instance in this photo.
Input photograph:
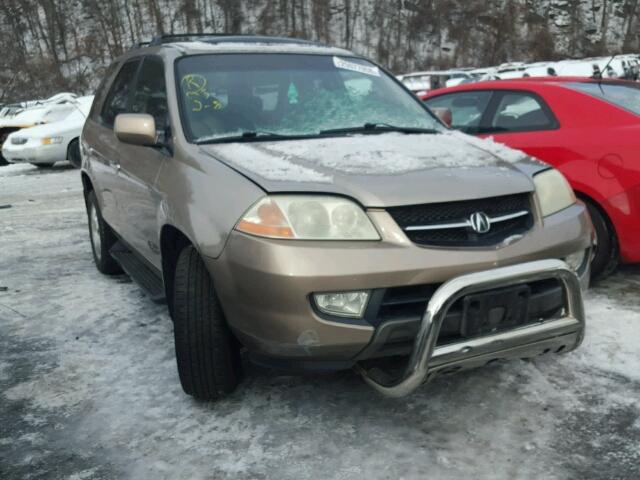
(520, 112)
(118, 97)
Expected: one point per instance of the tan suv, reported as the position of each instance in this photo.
(296, 202)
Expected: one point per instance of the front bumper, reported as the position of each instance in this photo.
(34, 154)
(265, 285)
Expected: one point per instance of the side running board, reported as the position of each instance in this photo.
(144, 275)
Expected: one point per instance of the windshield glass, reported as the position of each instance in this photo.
(289, 94)
(623, 96)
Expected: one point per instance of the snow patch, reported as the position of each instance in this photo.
(271, 168)
(615, 345)
(489, 145)
(262, 47)
(391, 153)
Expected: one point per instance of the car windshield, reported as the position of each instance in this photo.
(247, 96)
(625, 96)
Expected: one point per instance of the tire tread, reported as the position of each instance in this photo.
(204, 345)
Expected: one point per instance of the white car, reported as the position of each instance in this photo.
(35, 112)
(422, 82)
(53, 141)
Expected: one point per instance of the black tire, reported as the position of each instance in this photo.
(73, 153)
(43, 165)
(207, 354)
(101, 237)
(606, 250)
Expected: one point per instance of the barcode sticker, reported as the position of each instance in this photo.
(356, 67)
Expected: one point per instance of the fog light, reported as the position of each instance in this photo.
(575, 260)
(342, 304)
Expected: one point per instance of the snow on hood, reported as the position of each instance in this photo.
(25, 118)
(382, 170)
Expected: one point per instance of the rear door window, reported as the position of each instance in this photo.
(521, 112)
(467, 108)
(120, 92)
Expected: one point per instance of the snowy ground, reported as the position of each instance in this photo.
(89, 389)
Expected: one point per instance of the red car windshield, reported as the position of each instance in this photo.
(623, 96)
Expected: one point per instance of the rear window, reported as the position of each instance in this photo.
(623, 96)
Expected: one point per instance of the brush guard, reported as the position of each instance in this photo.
(426, 360)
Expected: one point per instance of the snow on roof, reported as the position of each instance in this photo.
(260, 47)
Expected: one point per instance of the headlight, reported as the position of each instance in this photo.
(51, 140)
(553, 191)
(308, 217)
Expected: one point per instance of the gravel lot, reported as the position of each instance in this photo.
(89, 388)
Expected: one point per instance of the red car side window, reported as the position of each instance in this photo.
(521, 111)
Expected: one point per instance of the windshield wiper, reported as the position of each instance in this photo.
(378, 127)
(244, 136)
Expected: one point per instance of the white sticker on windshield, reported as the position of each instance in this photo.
(356, 67)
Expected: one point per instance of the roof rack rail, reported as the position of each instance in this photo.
(189, 37)
(223, 37)
(139, 45)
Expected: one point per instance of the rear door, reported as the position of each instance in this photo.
(139, 165)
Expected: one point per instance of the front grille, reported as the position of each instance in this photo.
(435, 214)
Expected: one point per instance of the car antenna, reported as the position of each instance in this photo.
(598, 75)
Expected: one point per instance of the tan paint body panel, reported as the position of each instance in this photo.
(265, 285)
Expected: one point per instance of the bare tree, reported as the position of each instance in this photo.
(67, 44)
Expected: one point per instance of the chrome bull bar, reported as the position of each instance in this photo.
(426, 359)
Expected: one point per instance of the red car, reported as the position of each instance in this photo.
(589, 129)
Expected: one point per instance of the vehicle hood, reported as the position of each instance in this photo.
(68, 126)
(24, 119)
(384, 170)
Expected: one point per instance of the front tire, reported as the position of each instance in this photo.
(207, 354)
(606, 250)
(102, 238)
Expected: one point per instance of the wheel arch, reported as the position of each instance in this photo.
(172, 241)
(585, 197)
(87, 184)
(74, 139)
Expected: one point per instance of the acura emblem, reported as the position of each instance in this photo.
(479, 222)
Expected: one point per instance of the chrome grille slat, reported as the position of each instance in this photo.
(451, 223)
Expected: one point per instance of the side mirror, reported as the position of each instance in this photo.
(136, 128)
(444, 114)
